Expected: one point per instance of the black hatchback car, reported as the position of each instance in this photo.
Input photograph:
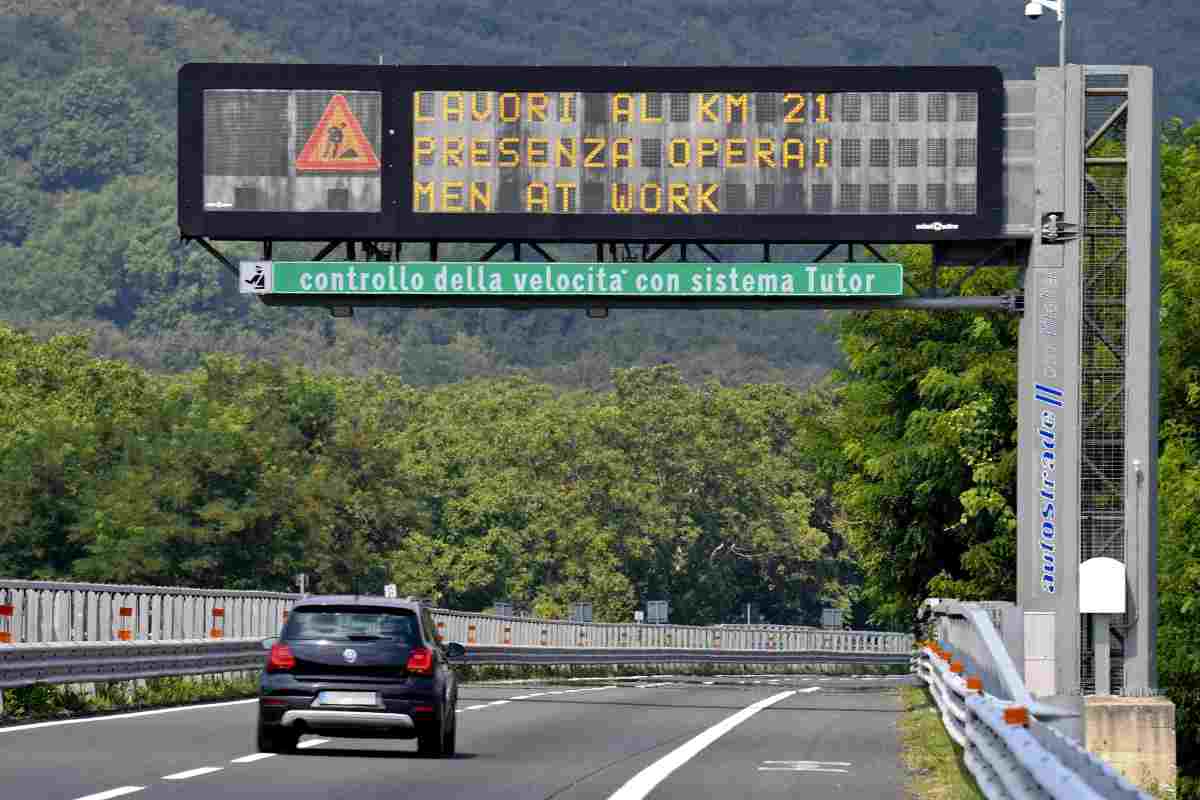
(359, 667)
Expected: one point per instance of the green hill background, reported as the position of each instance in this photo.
(87, 221)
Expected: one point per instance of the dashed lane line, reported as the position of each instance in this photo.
(131, 715)
(250, 759)
(120, 791)
(191, 773)
(644, 782)
(310, 743)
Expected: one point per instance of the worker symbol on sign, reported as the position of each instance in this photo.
(258, 281)
(338, 143)
(334, 141)
(255, 277)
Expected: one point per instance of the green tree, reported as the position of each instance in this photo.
(927, 417)
(101, 129)
(1179, 465)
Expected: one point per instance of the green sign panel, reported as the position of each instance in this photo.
(571, 279)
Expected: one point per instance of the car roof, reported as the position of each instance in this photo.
(358, 600)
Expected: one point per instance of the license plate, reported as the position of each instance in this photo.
(348, 699)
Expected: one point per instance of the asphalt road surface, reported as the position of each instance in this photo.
(660, 737)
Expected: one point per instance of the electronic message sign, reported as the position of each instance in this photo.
(783, 154)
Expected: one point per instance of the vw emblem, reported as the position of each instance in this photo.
(350, 655)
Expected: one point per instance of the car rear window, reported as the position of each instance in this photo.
(352, 622)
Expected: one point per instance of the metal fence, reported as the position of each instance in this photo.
(471, 629)
(1007, 741)
(51, 611)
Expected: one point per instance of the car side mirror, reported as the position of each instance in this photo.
(268, 643)
(455, 650)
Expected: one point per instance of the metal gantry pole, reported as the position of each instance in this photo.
(1062, 33)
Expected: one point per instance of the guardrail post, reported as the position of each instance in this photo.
(125, 615)
(6, 615)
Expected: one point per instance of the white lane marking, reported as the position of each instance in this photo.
(120, 791)
(805, 766)
(499, 702)
(191, 773)
(251, 758)
(652, 685)
(641, 784)
(475, 708)
(131, 715)
(709, 683)
(809, 690)
(527, 696)
(311, 743)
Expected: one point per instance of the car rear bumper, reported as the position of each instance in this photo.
(312, 718)
(404, 709)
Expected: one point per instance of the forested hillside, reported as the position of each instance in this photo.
(1161, 33)
(88, 238)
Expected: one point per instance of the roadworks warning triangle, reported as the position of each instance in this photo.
(338, 144)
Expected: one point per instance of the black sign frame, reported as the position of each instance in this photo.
(397, 222)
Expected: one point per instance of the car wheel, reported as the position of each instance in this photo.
(276, 740)
(449, 743)
(429, 741)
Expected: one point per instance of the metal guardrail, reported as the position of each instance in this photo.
(491, 654)
(88, 633)
(1007, 744)
(98, 662)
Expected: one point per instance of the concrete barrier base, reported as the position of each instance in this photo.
(1136, 735)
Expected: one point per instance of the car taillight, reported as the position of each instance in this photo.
(420, 661)
(281, 659)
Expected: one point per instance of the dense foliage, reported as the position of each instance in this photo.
(243, 475)
(1163, 34)
(88, 239)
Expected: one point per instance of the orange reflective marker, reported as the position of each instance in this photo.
(974, 684)
(218, 624)
(957, 667)
(1017, 715)
(124, 633)
(6, 614)
(338, 143)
